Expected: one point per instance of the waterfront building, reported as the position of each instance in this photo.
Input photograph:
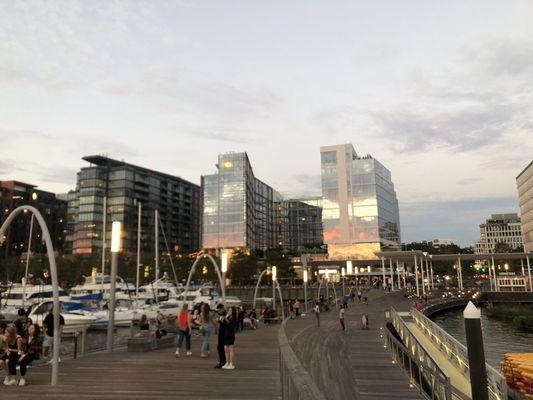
(524, 183)
(124, 185)
(437, 243)
(300, 223)
(54, 210)
(499, 228)
(360, 213)
(239, 210)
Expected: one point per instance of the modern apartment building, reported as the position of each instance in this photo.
(239, 211)
(124, 186)
(360, 210)
(499, 228)
(300, 223)
(54, 210)
(524, 183)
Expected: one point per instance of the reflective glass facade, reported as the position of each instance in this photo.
(300, 223)
(177, 200)
(360, 208)
(238, 209)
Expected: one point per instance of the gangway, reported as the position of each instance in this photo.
(429, 343)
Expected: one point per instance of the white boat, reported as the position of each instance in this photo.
(16, 297)
(94, 285)
(204, 294)
(74, 320)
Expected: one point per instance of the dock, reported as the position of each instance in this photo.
(160, 375)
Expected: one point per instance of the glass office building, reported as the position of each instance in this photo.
(300, 223)
(360, 210)
(124, 185)
(239, 210)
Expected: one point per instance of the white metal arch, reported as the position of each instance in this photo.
(53, 275)
(217, 269)
(257, 286)
(334, 290)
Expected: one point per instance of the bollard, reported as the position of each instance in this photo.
(476, 354)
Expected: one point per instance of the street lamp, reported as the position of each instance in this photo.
(115, 249)
(349, 267)
(343, 276)
(306, 278)
(224, 267)
(274, 278)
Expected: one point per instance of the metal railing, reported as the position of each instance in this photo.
(423, 370)
(457, 354)
(296, 383)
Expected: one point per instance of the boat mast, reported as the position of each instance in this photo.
(103, 242)
(138, 254)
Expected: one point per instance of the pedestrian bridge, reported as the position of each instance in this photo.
(442, 361)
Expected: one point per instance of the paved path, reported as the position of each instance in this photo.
(352, 364)
(159, 375)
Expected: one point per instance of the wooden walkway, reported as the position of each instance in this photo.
(159, 375)
(352, 364)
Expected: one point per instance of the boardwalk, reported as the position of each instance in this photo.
(352, 364)
(159, 375)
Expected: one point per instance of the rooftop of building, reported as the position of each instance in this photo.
(103, 161)
(525, 169)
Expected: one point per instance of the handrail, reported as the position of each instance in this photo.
(458, 354)
(436, 383)
(296, 383)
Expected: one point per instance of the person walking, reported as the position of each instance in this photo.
(317, 314)
(221, 327)
(364, 321)
(207, 327)
(341, 318)
(229, 337)
(184, 330)
(359, 295)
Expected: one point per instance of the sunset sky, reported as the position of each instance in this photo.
(441, 92)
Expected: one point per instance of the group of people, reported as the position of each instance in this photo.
(23, 342)
(343, 306)
(224, 322)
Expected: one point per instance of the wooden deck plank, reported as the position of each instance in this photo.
(159, 375)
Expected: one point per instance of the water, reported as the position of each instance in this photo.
(499, 337)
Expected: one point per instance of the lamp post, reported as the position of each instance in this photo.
(343, 277)
(391, 274)
(27, 262)
(137, 275)
(306, 278)
(416, 279)
(383, 272)
(274, 277)
(431, 270)
(115, 249)
(224, 266)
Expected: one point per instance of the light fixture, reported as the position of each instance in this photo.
(306, 278)
(274, 273)
(115, 237)
(224, 259)
(343, 271)
(349, 267)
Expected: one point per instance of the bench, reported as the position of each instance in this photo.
(148, 343)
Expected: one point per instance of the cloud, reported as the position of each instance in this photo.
(224, 137)
(457, 219)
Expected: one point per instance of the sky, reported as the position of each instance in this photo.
(440, 92)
